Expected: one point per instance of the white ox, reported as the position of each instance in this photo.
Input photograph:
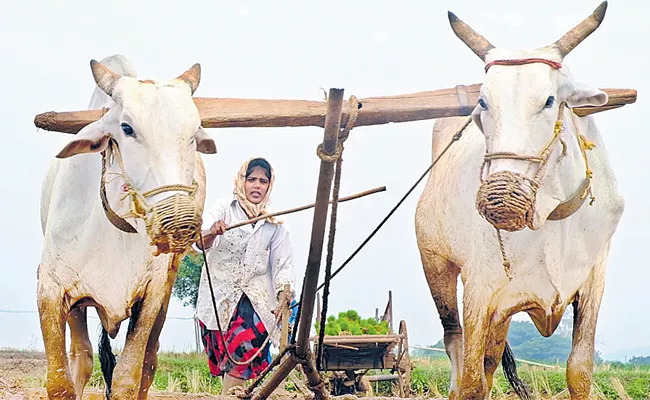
(86, 259)
(561, 259)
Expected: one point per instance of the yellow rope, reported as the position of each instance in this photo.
(173, 223)
(343, 134)
(507, 199)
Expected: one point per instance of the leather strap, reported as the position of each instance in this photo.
(115, 219)
(573, 204)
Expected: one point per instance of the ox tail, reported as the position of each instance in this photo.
(510, 371)
(106, 360)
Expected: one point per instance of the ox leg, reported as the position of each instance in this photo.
(52, 309)
(581, 360)
(81, 350)
(127, 376)
(143, 338)
(442, 277)
(476, 332)
(151, 353)
(495, 345)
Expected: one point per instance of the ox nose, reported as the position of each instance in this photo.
(173, 224)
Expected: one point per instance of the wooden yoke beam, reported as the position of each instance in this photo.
(240, 113)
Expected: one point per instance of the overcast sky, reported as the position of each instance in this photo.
(288, 50)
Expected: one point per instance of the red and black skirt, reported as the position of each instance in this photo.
(244, 337)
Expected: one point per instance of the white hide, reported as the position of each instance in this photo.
(84, 255)
(558, 254)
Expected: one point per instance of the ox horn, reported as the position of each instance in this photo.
(104, 77)
(192, 77)
(580, 32)
(477, 43)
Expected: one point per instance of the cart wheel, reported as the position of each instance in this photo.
(404, 362)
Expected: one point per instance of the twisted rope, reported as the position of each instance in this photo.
(343, 134)
(172, 224)
(506, 199)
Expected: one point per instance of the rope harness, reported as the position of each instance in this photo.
(172, 224)
(506, 199)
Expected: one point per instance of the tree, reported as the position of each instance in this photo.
(527, 343)
(186, 287)
(638, 360)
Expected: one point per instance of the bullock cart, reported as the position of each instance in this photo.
(337, 117)
(348, 358)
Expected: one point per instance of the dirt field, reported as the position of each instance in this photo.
(22, 377)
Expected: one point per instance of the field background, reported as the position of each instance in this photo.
(186, 375)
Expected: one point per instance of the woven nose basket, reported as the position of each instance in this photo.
(506, 200)
(173, 223)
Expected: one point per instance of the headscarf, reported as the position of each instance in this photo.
(253, 210)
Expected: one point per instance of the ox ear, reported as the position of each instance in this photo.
(91, 139)
(204, 143)
(104, 77)
(581, 95)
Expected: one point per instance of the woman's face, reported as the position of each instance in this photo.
(256, 186)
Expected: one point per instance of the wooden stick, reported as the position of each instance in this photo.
(293, 210)
(230, 113)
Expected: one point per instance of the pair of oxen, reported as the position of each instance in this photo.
(505, 209)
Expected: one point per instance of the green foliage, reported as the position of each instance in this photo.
(640, 360)
(186, 287)
(527, 343)
(350, 323)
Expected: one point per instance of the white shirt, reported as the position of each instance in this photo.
(255, 260)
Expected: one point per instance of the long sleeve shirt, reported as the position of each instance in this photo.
(255, 260)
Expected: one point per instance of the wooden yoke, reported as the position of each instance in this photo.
(238, 113)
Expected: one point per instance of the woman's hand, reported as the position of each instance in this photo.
(209, 236)
(283, 303)
(218, 228)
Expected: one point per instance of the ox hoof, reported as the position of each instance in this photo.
(61, 390)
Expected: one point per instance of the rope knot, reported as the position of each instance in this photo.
(343, 134)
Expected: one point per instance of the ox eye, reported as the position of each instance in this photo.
(127, 129)
(482, 103)
(549, 102)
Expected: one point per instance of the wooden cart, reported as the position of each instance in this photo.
(348, 358)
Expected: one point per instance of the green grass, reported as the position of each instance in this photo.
(176, 372)
(430, 378)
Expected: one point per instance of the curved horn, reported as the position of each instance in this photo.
(104, 77)
(192, 77)
(580, 32)
(477, 43)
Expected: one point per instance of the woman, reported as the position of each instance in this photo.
(249, 267)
